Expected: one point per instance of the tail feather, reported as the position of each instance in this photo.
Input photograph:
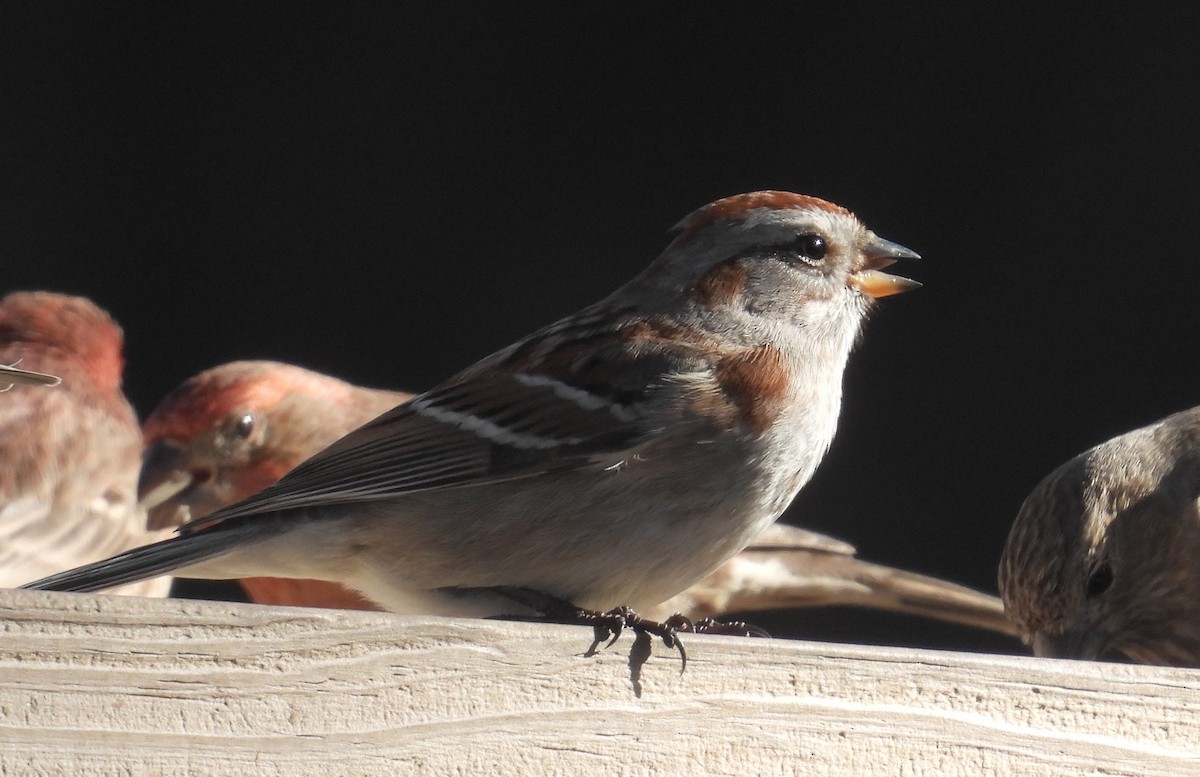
(915, 594)
(132, 566)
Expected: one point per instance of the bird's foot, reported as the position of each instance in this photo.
(606, 626)
(609, 625)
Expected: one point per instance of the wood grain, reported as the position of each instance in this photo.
(91, 684)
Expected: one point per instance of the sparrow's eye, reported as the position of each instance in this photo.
(811, 248)
(1100, 581)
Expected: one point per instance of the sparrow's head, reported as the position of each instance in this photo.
(780, 255)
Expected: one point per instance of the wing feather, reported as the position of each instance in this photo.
(572, 395)
(485, 429)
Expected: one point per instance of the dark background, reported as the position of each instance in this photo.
(388, 194)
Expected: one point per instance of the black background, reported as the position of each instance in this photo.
(387, 194)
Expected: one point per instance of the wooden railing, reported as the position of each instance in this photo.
(104, 685)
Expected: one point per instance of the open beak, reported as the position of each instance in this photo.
(164, 478)
(878, 254)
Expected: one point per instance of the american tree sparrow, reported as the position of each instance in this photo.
(232, 430)
(612, 458)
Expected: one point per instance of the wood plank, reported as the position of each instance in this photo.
(108, 685)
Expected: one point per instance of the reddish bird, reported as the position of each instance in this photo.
(69, 455)
(233, 430)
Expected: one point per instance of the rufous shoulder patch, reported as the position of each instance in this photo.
(756, 380)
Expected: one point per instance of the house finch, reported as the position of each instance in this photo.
(615, 457)
(69, 455)
(231, 431)
(1102, 556)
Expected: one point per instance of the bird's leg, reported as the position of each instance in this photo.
(608, 626)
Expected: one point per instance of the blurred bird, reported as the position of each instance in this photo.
(1103, 554)
(788, 567)
(68, 457)
(233, 430)
(615, 457)
(10, 375)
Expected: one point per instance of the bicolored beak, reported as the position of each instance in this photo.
(878, 254)
(165, 478)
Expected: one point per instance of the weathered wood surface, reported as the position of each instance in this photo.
(103, 685)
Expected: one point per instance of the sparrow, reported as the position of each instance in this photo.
(609, 460)
(232, 430)
(69, 456)
(1101, 558)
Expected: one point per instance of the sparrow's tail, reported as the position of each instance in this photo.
(138, 564)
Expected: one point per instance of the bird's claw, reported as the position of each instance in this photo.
(610, 625)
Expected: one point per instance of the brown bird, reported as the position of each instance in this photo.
(1103, 554)
(69, 456)
(789, 567)
(235, 429)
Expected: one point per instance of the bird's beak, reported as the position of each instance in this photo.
(12, 374)
(164, 478)
(878, 254)
(1082, 644)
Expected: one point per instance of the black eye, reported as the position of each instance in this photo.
(810, 247)
(244, 426)
(1100, 581)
